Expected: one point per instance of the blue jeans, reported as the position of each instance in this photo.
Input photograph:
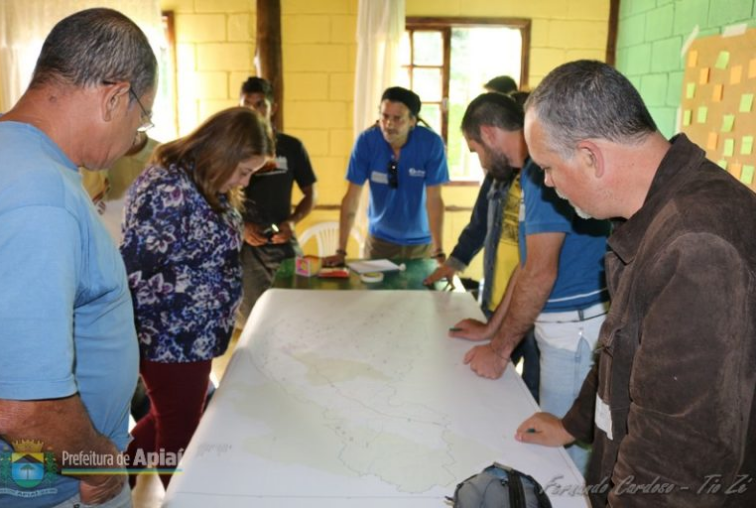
(562, 375)
(122, 500)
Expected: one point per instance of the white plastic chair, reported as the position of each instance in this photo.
(327, 238)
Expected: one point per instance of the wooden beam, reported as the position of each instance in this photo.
(611, 40)
(269, 54)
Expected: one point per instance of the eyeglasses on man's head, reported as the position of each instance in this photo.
(146, 117)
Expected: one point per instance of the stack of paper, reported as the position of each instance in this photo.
(373, 265)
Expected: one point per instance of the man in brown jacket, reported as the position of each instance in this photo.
(669, 406)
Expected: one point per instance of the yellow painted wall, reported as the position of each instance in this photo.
(319, 51)
(216, 45)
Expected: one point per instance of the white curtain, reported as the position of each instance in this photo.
(380, 26)
(24, 24)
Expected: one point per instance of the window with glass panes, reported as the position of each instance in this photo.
(446, 61)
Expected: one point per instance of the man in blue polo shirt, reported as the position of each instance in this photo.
(559, 286)
(406, 166)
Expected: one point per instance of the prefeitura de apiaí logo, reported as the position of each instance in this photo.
(27, 470)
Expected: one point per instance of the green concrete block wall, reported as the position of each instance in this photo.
(650, 40)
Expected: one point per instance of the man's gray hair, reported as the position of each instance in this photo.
(589, 99)
(95, 46)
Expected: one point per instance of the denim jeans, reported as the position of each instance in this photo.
(122, 500)
(563, 370)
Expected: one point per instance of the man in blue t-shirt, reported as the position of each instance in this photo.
(406, 166)
(68, 347)
(559, 286)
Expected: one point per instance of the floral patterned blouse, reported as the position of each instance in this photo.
(182, 259)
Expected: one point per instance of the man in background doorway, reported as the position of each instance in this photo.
(502, 84)
(269, 221)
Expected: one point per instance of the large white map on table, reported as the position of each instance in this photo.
(357, 398)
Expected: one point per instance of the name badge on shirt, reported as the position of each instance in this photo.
(378, 177)
(282, 163)
(603, 417)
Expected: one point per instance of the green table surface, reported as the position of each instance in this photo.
(411, 278)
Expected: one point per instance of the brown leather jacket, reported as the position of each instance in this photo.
(677, 363)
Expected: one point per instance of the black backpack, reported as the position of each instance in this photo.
(500, 486)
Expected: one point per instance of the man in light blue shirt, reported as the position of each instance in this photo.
(68, 349)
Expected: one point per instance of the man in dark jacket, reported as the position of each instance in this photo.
(670, 403)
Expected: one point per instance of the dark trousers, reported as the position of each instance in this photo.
(177, 398)
(259, 265)
(527, 351)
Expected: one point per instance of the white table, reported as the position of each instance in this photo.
(358, 399)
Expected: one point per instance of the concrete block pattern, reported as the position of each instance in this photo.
(306, 29)
(659, 23)
(344, 29)
(186, 57)
(315, 141)
(241, 28)
(212, 85)
(341, 86)
(316, 58)
(665, 118)
(177, 6)
(637, 6)
(209, 108)
(315, 115)
(544, 60)
(306, 86)
(225, 57)
(688, 14)
(597, 10)
(315, 6)
(674, 88)
(235, 80)
(188, 115)
(654, 89)
(638, 60)
(539, 33)
(200, 27)
(433, 8)
(585, 54)
(341, 142)
(631, 31)
(226, 6)
(725, 12)
(665, 55)
(577, 34)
